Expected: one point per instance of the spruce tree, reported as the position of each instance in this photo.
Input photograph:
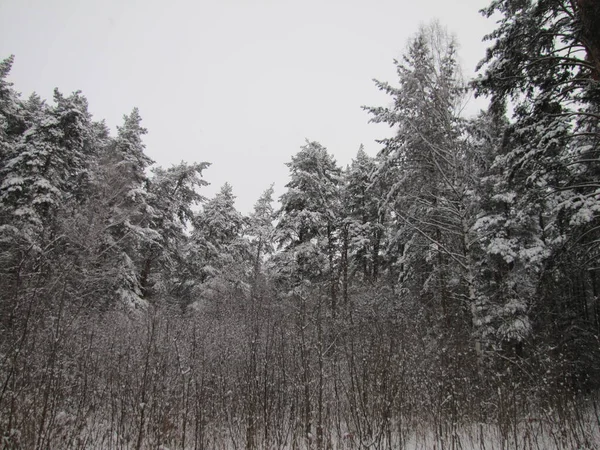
(307, 231)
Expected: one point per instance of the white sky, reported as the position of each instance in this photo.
(238, 83)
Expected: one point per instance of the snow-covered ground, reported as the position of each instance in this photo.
(531, 434)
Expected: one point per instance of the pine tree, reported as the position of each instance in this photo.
(219, 248)
(364, 208)
(11, 122)
(508, 247)
(46, 166)
(261, 229)
(543, 62)
(544, 58)
(124, 210)
(308, 220)
(172, 196)
(427, 164)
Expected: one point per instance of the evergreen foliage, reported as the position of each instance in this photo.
(441, 293)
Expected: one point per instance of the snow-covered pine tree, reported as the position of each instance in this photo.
(173, 195)
(11, 127)
(365, 215)
(261, 230)
(44, 169)
(543, 63)
(11, 122)
(219, 249)
(124, 210)
(307, 231)
(427, 165)
(508, 247)
(13, 242)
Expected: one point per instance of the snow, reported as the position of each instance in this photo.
(505, 197)
(586, 210)
(531, 433)
(12, 180)
(132, 302)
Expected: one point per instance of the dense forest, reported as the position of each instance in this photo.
(444, 293)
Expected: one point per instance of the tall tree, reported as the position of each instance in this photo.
(307, 229)
(427, 165)
(261, 229)
(46, 166)
(365, 214)
(173, 195)
(11, 123)
(124, 210)
(219, 247)
(544, 62)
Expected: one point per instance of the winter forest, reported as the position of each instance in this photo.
(441, 294)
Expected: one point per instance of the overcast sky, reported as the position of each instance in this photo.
(238, 83)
